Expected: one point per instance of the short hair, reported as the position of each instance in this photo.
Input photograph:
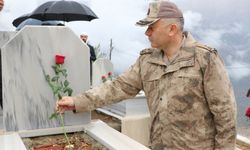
(178, 21)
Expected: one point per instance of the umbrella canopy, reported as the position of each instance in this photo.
(64, 11)
(25, 19)
(20, 19)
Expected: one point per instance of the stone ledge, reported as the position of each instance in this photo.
(11, 141)
(97, 129)
(243, 143)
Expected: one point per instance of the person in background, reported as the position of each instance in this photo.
(189, 94)
(84, 38)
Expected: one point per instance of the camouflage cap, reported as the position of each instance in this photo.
(160, 9)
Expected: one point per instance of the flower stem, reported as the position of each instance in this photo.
(64, 131)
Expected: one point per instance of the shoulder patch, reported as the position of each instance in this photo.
(205, 47)
(147, 51)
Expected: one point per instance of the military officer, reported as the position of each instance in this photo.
(190, 97)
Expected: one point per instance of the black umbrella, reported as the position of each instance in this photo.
(25, 19)
(20, 19)
(59, 10)
(64, 11)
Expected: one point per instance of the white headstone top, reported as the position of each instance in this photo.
(28, 100)
(101, 68)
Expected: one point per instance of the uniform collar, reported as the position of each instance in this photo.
(186, 52)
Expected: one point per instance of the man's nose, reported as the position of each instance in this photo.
(148, 32)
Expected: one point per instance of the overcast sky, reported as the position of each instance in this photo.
(223, 24)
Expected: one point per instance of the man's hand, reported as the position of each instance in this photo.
(65, 104)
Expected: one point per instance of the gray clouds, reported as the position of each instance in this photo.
(224, 25)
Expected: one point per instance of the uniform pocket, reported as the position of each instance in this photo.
(188, 80)
(151, 89)
(150, 86)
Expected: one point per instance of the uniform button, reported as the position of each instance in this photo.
(161, 99)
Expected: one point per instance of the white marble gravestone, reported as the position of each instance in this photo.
(101, 67)
(27, 98)
(137, 105)
(5, 36)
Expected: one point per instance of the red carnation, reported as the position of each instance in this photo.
(110, 73)
(59, 59)
(248, 112)
(103, 77)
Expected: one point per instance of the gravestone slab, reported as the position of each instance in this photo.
(28, 100)
(101, 67)
(5, 36)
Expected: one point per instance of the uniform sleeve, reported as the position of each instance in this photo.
(125, 86)
(221, 101)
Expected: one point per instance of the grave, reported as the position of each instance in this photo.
(101, 67)
(27, 98)
(134, 116)
(133, 113)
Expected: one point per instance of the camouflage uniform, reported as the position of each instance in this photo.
(191, 100)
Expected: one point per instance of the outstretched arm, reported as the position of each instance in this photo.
(125, 86)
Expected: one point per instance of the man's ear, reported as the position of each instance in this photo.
(173, 29)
